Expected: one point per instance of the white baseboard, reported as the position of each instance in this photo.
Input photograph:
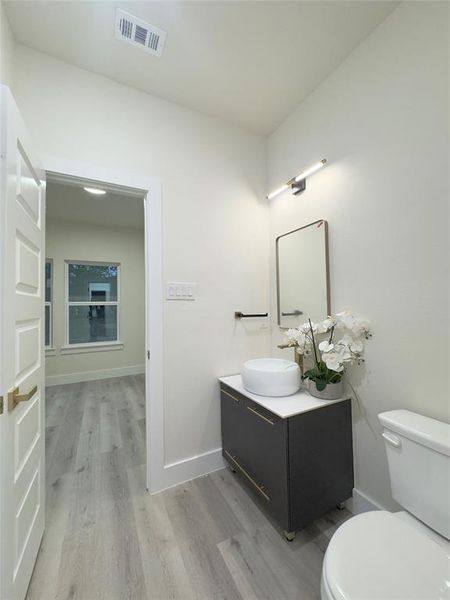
(360, 503)
(93, 375)
(189, 468)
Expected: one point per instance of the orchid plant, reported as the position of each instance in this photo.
(334, 343)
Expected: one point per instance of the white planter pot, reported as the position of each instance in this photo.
(333, 391)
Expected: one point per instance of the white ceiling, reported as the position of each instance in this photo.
(70, 202)
(248, 62)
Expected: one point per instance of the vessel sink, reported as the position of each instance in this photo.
(271, 376)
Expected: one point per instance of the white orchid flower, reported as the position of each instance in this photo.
(325, 346)
(342, 318)
(306, 327)
(292, 335)
(333, 362)
(349, 324)
(346, 355)
(344, 351)
(346, 339)
(304, 343)
(297, 339)
(355, 326)
(344, 346)
(356, 346)
(325, 325)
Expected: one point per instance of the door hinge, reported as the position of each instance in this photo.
(1, 405)
(148, 354)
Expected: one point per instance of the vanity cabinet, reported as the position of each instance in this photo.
(299, 466)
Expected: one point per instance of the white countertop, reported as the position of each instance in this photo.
(283, 406)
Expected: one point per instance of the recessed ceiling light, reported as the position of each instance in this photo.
(95, 191)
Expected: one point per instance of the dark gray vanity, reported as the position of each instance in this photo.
(294, 453)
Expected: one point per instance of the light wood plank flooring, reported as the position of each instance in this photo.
(107, 538)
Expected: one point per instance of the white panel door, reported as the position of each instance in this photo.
(22, 230)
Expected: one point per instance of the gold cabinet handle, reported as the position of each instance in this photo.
(260, 416)
(14, 397)
(260, 488)
(228, 394)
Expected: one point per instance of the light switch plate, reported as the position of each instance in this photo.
(181, 290)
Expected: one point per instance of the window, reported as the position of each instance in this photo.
(48, 303)
(92, 303)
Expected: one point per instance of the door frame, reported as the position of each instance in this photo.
(154, 400)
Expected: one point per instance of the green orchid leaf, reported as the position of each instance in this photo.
(321, 384)
(311, 374)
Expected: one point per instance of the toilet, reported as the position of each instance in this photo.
(380, 555)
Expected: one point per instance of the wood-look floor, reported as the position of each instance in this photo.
(107, 538)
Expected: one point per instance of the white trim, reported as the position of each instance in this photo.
(154, 389)
(153, 295)
(93, 375)
(93, 347)
(92, 263)
(86, 170)
(71, 180)
(191, 468)
(361, 503)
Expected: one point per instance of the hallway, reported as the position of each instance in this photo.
(107, 538)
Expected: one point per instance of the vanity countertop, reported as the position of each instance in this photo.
(282, 406)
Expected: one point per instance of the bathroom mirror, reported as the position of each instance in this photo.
(303, 275)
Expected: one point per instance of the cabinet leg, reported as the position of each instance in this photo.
(289, 535)
(340, 506)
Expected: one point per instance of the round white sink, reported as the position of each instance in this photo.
(271, 376)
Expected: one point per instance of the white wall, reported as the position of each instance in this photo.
(381, 119)
(7, 45)
(76, 241)
(215, 222)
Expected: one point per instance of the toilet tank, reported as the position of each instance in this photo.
(418, 453)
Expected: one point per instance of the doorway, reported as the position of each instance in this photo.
(95, 281)
(95, 347)
(137, 186)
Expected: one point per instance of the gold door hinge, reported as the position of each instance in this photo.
(14, 397)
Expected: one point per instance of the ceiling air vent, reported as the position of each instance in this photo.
(134, 31)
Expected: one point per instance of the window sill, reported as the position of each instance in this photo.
(85, 348)
(50, 351)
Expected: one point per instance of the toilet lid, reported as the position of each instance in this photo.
(377, 556)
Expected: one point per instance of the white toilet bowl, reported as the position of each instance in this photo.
(381, 556)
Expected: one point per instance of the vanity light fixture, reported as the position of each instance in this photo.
(298, 183)
(95, 191)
